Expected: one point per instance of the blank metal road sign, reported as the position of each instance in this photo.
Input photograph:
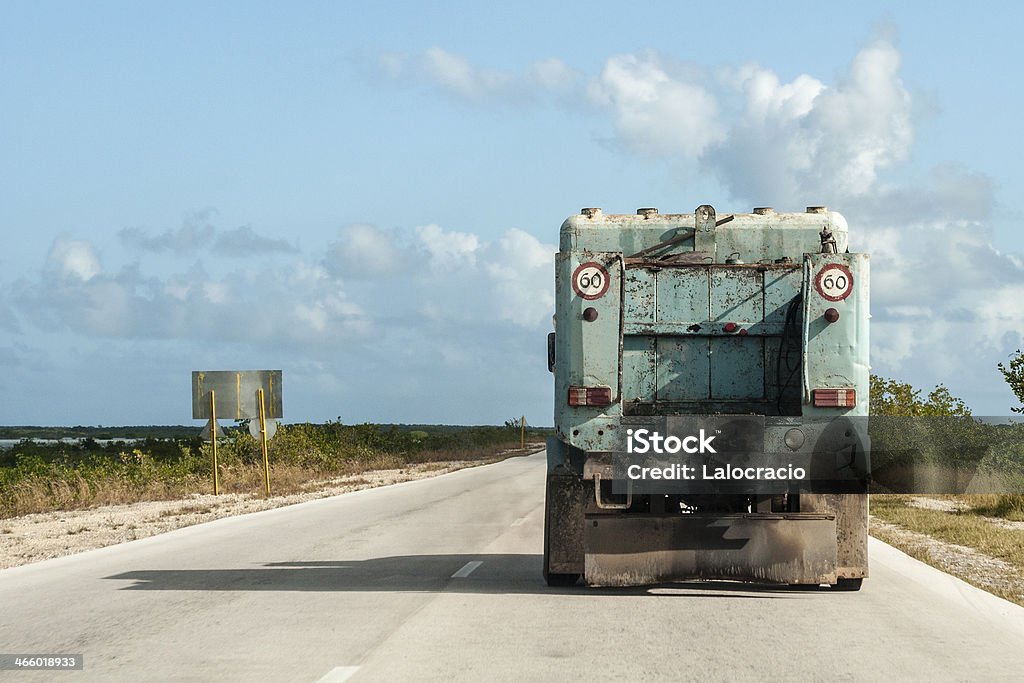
(236, 393)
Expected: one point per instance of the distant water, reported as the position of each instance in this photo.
(8, 444)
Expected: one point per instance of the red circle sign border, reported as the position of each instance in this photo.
(604, 274)
(821, 273)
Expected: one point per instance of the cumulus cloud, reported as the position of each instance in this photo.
(765, 139)
(70, 258)
(197, 232)
(369, 284)
(380, 319)
(244, 241)
(455, 76)
(521, 269)
(447, 250)
(299, 304)
(364, 250)
(768, 141)
(658, 110)
(946, 304)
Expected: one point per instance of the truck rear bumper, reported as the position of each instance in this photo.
(637, 550)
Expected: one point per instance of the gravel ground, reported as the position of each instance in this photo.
(37, 537)
(959, 506)
(940, 504)
(988, 573)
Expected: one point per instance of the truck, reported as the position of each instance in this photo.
(736, 339)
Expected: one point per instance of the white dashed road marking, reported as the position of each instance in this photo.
(339, 674)
(466, 570)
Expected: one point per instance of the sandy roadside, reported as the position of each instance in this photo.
(42, 536)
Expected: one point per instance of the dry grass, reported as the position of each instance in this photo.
(88, 489)
(1008, 506)
(963, 528)
(42, 495)
(964, 525)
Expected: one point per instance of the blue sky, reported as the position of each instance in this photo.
(368, 197)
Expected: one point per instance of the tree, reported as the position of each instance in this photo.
(1013, 373)
(890, 398)
(941, 429)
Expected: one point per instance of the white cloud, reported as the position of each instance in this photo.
(770, 142)
(454, 73)
(946, 305)
(655, 111)
(807, 142)
(197, 233)
(553, 74)
(448, 250)
(244, 241)
(298, 304)
(864, 123)
(364, 251)
(522, 270)
(455, 76)
(74, 258)
(457, 288)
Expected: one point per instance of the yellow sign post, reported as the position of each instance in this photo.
(213, 440)
(263, 435)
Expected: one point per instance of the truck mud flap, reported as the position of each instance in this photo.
(564, 507)
(638, 550)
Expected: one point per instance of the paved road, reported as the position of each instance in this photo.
(439, 579)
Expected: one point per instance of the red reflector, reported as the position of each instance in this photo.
(590, 396)
(835, 398)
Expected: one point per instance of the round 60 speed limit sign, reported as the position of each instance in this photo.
(590, 280)
(834, 282)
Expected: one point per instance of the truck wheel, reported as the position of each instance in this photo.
(847, 585)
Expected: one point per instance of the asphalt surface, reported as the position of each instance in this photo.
(440, 579)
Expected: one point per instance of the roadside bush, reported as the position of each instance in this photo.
(36, 477)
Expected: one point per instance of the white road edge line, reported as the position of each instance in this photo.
(339, 674)
(467, 569)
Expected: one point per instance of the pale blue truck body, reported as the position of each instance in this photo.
(713, 315)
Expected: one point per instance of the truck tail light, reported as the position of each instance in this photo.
(835, 398)
(590, 396)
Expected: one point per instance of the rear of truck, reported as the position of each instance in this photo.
(706, 320)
